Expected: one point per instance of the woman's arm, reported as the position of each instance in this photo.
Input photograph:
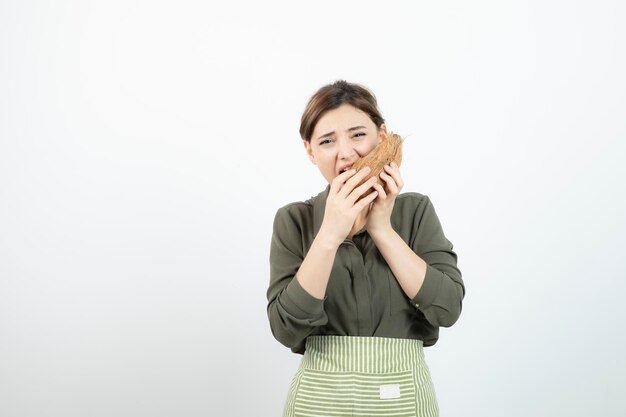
(314, 272)
(426, 267)
(298, 283)
(408, 268)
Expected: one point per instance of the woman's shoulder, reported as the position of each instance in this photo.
(301, 208)
(297, 209)
(411, 199)
(409, 208)
(294, 220)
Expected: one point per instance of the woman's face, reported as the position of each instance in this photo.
(340, 138)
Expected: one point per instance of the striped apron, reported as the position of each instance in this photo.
(362, 376)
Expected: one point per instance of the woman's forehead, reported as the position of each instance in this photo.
(342, 118)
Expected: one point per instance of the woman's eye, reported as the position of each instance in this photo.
(328, 140)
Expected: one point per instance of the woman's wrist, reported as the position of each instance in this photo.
(380, 231)
(326, 239)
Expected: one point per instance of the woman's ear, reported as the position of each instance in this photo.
(382, 132)
(309, 151)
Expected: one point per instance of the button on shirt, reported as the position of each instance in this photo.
(363, 297)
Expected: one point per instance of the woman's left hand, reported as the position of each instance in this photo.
(379, 217)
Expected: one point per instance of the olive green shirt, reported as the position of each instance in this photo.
(363, 297)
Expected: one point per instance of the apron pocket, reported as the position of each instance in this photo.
(323, 394)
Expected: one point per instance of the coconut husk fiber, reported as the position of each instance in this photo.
(387, 151)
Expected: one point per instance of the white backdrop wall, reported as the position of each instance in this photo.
(146, 146)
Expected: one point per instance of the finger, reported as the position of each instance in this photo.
(338, 181)
(394, 182)
(354, 181)
(365, 201)
(360, 190)
(381, 191)
(395, 173)
(389, 179)
(392, 188)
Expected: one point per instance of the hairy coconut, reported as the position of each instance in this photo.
(387, 151)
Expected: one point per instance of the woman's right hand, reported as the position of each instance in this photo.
(341, 211)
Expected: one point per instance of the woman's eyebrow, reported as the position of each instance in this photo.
(349, 130)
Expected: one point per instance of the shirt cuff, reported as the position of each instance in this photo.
(300, 303)
(430, 288)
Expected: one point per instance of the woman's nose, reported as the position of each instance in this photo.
(345, 148)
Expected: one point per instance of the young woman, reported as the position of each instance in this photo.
(359, 286)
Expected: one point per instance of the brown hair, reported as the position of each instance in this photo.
(333, 95)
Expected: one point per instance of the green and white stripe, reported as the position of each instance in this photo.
(362, 376)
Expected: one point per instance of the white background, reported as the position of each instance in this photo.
(145, 147)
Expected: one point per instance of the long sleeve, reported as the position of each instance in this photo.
(441, 295)
(293, 313)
